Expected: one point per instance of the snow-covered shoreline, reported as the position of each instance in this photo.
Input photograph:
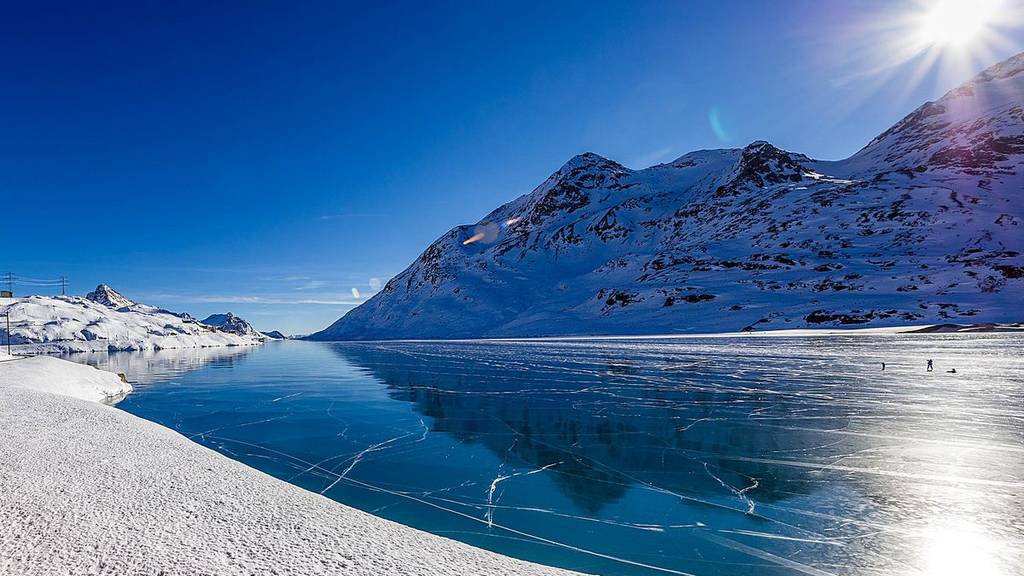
(95, 490)
(84, 347)
(56, 376)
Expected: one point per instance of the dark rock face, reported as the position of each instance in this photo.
(762, 165)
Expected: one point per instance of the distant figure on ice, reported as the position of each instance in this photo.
(883, 366)
(930, 368)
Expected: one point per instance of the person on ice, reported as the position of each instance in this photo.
(883, 366)
(930, 368)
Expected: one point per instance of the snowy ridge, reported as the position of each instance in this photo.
(105, 320)
(976, 128)
(233, 324)
(921, 226)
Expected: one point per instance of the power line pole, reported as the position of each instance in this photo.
(8, 310)
(9, 278)
(63, 285)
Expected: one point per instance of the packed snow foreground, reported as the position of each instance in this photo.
(89, 489)
(104, 320)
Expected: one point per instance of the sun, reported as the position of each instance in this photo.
(955, 23)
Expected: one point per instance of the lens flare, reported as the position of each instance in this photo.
(902, 46)
(474, 238)
(486, 232)
(717, 127)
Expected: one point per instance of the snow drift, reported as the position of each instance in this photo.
(56, 376)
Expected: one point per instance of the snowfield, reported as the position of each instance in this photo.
(89, 489)
(104, 320)
(924, 225)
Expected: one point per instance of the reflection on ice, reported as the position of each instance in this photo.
(724, 456)
(148, 366)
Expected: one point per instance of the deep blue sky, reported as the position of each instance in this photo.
(265, 158)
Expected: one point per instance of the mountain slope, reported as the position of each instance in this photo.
(923, 225)
(105, 320)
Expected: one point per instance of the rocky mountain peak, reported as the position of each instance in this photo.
(586, 161)
(760, 165)
(107, 296)
(568, 189)
(230, 323)
(588, 170)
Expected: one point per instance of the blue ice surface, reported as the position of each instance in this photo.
(745, 455)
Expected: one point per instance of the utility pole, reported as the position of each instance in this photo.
(63, 285)
(8, 330)
(9, 278)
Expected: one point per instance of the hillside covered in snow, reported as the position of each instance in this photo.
(923, 225)
(230, 323)
(105, 320)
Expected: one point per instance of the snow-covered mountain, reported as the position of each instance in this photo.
(105, 320)
(923, 225)
(233, 324)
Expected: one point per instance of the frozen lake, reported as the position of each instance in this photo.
(692, 456)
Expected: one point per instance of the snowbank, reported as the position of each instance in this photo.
(46, 374)
(99, 491)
